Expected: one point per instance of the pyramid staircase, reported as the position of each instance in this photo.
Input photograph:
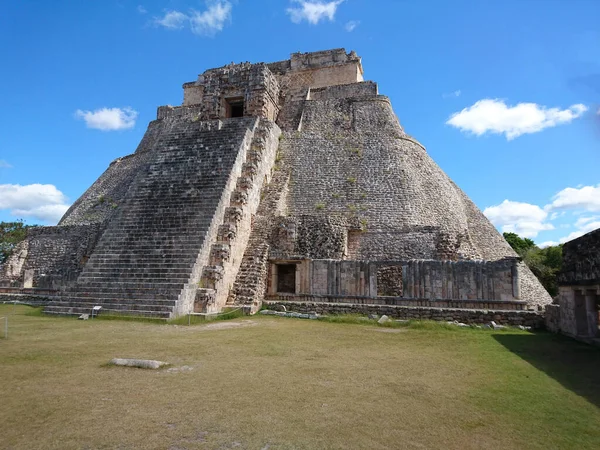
(153, 253)
(228, 252)
(291, 114)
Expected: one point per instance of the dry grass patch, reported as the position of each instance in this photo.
(267, 382)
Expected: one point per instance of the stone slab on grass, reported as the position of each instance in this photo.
(140, 363)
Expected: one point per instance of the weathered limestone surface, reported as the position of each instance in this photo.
(151, 257)
(366, 190)
(285, 163)
(577, 312)
(468, 316)
(54, 255)
(581, 260)
(426, 279)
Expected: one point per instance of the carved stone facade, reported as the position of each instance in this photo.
(578, 309)
(290, 179)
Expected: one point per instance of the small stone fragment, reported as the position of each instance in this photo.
(140, 363)
(383, 319)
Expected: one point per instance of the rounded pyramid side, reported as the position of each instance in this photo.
(352, 159)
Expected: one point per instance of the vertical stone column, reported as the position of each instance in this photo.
(28, 279)
(371, 277)
(516, 282)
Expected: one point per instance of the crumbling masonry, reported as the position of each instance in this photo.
(291, 182)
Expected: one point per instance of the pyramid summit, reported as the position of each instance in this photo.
(287, 183)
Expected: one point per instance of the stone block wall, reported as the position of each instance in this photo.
(552, 318)
(468, 316)
(433, 280)
(310, 236)
(193, 93)
(353, 90)
(578, 311)
(185, 111)
(52, 257)
(581, 260)
(253, 83)
(352, 159)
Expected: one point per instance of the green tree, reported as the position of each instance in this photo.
(519, 244)
(545, 263)
(11, 233)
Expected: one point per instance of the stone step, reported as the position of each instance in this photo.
(77, 311)
(125, 285)
(75, 300)
(159, 248)
(135, 251)
(116, 258)
(80, 293)
(142, 266)
(89, 303)
(166, 271)
(135, 277)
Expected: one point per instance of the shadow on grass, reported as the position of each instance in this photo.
(573, 364)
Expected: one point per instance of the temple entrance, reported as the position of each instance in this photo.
(286, 278)
(234, 107)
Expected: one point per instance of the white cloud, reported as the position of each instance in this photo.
(173, 20)
(141, 9)
(575, 207)
(556, 214)
(582, 221)
(208, 22)
(4, 164)
(452, 94)
(525, 219)
(494, 116)
(205, 23)
(585, 197)
(313, 11)
(108, 119)
(351, 26)
(40, 201)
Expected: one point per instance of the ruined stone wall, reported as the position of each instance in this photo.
(318, 69)
(576, 315)
(434, 280)
(53, 255)
(353, 90)
(552, 318)
(309, 236)
(193, 93)
(352, 159)
(468, 316)
(581, 260)
(189, 111)
(254, 83)
(568, 320)
(495, 305)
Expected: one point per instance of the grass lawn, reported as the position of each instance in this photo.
(275, 383)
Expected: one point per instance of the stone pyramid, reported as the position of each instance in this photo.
(287, 183)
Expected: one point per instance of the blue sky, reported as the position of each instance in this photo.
(505, 95)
